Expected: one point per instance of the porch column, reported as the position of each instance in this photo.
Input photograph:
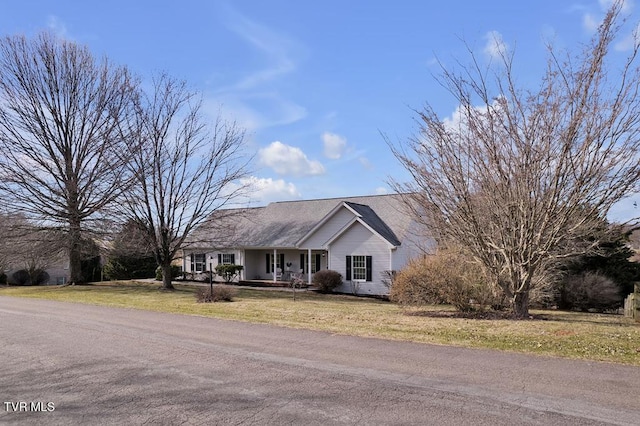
(309, 265)
(273, 264)
(241, 255)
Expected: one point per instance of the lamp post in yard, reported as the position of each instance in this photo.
(210, 276)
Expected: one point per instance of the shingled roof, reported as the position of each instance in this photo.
(283, 224)
(370, 217)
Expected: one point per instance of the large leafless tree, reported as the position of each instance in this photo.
(62, 152)
(186, 168)
(526, 173)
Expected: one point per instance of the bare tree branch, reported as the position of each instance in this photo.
(526, 174)
(62, 160)
(185, 169)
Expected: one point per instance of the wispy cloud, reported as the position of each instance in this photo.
(591, 20)
(381, 190)
(256, 99)
(274, 47)
(627, 5)
(58, 27)
(495, 46)
(364, 161)
(288, 160)
(630, 41)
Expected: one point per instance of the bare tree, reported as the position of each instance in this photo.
(525, 174)
(62, 151)
(186, 169)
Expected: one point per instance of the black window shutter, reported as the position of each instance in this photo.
(303, 265)
(233, 258)
(369, 267)
(282, 261)
(268, 264)
(193, 266)
(317, 263)
(348, 277)
(219, 258)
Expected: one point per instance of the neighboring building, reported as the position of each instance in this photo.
(362, 238)
(56, 268)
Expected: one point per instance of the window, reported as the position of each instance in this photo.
(279, 262)
(315, 262)
(359, 268)
(198, 262)
(226, 259)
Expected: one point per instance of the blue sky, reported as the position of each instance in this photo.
(314, 83)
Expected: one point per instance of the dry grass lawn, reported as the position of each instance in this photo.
(609, 338)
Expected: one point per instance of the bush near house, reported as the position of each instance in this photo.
(228, 272)
(130, 267)
(326, 280)
(448, 277)
(27, 277)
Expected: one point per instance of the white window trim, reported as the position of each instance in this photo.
(362, 268)
(196, 262)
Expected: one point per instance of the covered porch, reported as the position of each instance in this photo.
(280, 265)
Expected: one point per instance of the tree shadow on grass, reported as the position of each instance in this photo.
(476, 315)
(558, 316)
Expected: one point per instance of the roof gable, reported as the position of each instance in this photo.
(373, 221)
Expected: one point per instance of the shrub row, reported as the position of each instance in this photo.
(35, 277)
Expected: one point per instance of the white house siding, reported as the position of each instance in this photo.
(358, 240)
(254, 264)
(58, 275)
(415, 243)
(334, 224)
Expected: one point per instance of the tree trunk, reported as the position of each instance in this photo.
(75, 254)
(520, 304)
(166, 277)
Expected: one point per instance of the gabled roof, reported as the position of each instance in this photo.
(283, 224)
(370, 217)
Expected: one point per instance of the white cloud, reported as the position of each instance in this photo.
(266, 190)
(334, 145)
(381, 190)
(288, 160)
(455, 120)
(458, 121)
(495, 46)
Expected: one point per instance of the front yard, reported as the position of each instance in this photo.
(610, 338)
